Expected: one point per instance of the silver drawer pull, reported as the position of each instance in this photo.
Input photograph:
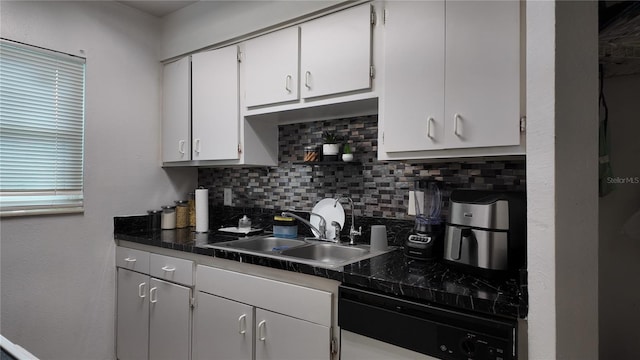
(168, 268)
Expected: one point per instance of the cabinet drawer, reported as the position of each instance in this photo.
(132, 259)
(293, 300)
(172, 269)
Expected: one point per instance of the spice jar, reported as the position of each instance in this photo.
(311, 153)
(182, 214)
(168, 221)
(154, 219)
(192, 209)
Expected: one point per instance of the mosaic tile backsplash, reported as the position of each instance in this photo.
(378, 189)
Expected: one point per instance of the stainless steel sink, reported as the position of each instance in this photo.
(326, 252)
(308, 251)
(269, 243)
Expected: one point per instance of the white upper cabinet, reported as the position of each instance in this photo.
(482, 93)
(452, 78)
(414, 74)
(270, 65)
(335, 53)
(176, 112)
(215, 107)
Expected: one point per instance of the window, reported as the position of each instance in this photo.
(41, 130)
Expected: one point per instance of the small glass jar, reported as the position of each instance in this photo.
(154, 220)
(311, 154)
(285, 227)
(182, 214)
(244, 223)
(168, 221)
(192, 209)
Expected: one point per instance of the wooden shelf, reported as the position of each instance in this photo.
(326, 163)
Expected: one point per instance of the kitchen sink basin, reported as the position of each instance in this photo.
(326, 253)
(269, 243)
(307, 251)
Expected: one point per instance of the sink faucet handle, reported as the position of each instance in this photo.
(337, 228)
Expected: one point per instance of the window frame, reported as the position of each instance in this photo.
(57, 196)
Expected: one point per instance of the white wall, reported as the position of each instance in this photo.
(209, 22)
(57, 272)
(541, 259)
(562, 179)
(620, 254)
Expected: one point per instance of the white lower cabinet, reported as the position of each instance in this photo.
(132, 315)
(244, 317)
(153, 315)
(280, 337)
(169, 321)
(222, 329)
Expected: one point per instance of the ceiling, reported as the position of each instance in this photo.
(158, 8)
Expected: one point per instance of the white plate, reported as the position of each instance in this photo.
(330, 213)
(236, 230)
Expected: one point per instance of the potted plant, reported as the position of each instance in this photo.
(347, 154)
(331, 146)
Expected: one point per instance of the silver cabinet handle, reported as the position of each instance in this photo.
(130, 260)
(197, 146)
(153, 295)
(456, 120)
(168, 269)
(242, 324)
(141, 290)
(287, 83)
(307, 79)
(429, 121)
(261, 329)
(181, 146)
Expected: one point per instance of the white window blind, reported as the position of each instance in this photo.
(41, 130)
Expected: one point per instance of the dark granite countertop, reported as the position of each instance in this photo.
(392, 273)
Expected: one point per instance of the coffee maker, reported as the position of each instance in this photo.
(425, 240)
(486, 231)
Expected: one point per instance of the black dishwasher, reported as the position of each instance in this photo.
(426, 329)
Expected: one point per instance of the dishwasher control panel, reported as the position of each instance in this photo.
(456, 343)
(426, 329)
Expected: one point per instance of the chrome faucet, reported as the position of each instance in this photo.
(322, 230)
(352, 232)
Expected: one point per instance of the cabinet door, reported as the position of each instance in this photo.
(169, 321)
(482, 97)
(335, 54)
(270, 65)
(132, 314)
(222, 329)
(176, 111)
(215, 108)
(280, 337)
(413, 109)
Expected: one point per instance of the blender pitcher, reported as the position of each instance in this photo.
(425, 241)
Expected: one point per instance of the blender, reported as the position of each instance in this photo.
(426, 238)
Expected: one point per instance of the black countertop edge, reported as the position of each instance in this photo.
(391, 273)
